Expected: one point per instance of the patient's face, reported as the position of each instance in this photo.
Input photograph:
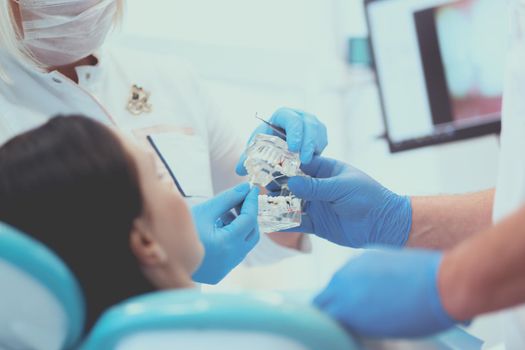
(167, 217)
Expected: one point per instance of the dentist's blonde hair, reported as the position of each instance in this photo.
(10, 36)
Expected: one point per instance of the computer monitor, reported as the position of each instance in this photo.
(440, 68)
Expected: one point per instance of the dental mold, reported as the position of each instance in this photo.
(279, 213)
(269, 162)
(268, 158)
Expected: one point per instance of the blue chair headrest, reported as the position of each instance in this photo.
(36, 261)
(267, 313)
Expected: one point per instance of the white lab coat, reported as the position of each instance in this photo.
(181, 112)
(510, 192)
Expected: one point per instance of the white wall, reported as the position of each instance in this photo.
(256, 56)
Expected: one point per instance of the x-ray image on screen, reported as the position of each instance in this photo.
(470, 40)
(440, 68)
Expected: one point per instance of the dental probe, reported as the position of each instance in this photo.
(280, 131)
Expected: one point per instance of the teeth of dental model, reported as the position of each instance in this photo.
(268, 160)
(267, 157)
(278, 213)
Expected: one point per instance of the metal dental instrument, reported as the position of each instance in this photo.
(280, 131)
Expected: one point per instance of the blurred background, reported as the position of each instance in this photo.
(256, 56)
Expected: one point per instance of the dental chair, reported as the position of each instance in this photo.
(191, 320)
(41, 304)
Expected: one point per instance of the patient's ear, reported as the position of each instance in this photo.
(145, 247)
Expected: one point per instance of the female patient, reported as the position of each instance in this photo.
(97, 200)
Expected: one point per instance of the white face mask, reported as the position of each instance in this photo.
(61, 32)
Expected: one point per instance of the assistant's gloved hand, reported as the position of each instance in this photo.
(305, 134)
(226, 239)
(347, 207)
(389, 293)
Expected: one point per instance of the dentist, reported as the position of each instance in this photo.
(52, 62)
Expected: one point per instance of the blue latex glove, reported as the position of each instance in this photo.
(226, 239)
(305, 134)
(388, 294)
(349, 208)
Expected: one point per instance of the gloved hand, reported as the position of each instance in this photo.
(388, 294)
(226, 239)
(305, 134)
(349, 208)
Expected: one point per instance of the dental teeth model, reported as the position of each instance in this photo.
(279, 213)
(268, 158)
(269, 161)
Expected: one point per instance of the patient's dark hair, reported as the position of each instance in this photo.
(71, 185)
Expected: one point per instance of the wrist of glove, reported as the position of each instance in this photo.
(392, 221)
